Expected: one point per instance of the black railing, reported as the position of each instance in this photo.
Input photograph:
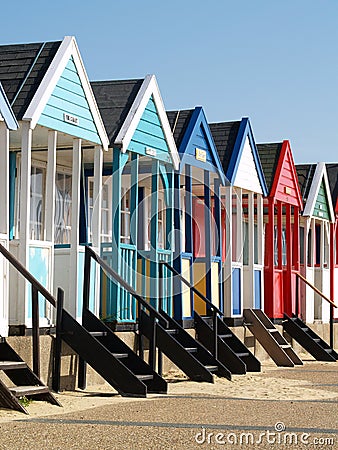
(142, 304)
(37, 289)
(317, 291)
(215, 311)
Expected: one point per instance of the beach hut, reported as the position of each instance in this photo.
(60, 129)
(332, 173)
(198, 244)
(282, 208)
(315, 222)
(243, 256)
(137, 194)
(7, 123)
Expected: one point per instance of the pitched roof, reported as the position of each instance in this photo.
(114, 99)
(179, 120)
(332, 173)
(225, 135)
(22, 68)
(305, 173)
(269, 156)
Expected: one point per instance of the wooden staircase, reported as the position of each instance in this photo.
(24, 382)
(107, 354)
(231, 351)
(183, 350)
(308, 339)
(270, 338)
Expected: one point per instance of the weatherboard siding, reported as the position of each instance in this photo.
(149, 134)
(200, 141)
(69, 97)
(321, 208)
(246, 175)
(287, 184)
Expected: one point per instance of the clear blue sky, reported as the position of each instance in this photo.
(274, 61)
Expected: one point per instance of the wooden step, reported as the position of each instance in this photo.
(20, 391)
(11, 365)
(98, 333)
(172, 331)
(272, 330)
(225, 336)
(243, 354)
(212, 368)
(145, 377)
(305, 328)
(120, 355)
(285, 345)
(191, 349)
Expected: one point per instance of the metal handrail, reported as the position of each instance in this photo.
(153, 313)
(214, 308)
(192, 287)
(36, 289)
(122, 282)
(316, 290)
(332, 304)
(26, 274)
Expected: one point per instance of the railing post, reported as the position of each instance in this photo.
(297, 295)
(58, 342)
(86, 280)
(35, 331)
(160, 287)
(214, 314)
(331, 327)
(82, 371)
(160, 304)
(140, 340)
(152, 343)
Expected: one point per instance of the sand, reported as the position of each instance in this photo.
(271, 384)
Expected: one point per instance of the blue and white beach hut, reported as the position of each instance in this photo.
(137, 194)
(198, 246)
(60, 129)
(244, 257)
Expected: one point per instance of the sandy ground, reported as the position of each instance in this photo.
(271, 383)
(304, 398)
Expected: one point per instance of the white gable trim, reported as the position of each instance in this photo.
(149, 88)
(67, 49)
(7, 114)
(320, 174)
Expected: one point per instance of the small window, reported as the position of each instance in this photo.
(301, 244)
(309, 249)
(63, 208)
(284, 247)
(106, 214)
(275, 246)
(125, 216)
(318, 239)
(245, 243)
(37, 203)
(256, 244)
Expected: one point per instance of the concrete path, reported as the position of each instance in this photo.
(195, 416)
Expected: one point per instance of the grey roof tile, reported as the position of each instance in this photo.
(269, 156)
(225, 134)
(114, 100)
(332, 173)
(22, 68)
(179, 120)
(305, 173)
